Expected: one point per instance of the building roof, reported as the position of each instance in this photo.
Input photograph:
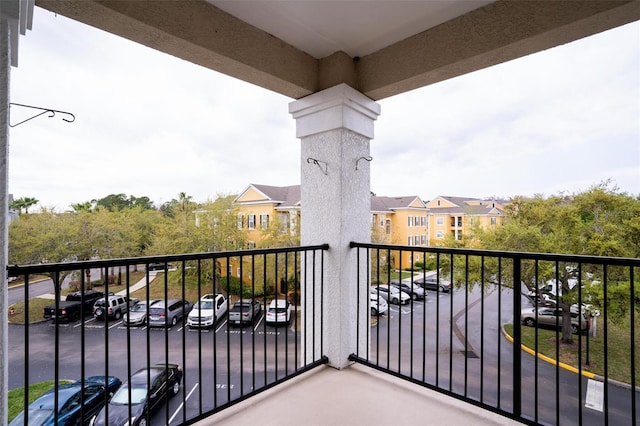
(283, 196)
(390, 204)
(466, 205)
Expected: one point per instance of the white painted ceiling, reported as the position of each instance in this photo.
(358, 28)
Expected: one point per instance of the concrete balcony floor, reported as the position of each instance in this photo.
(356, 395)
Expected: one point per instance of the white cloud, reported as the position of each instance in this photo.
(151, 124)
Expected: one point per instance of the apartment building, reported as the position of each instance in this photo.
(405, 220)
(400, 220)
(458, 216)
(261, 207)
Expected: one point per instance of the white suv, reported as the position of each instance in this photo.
(207, 310)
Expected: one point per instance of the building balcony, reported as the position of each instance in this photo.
(448, 358)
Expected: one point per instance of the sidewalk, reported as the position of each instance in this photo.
(137, 286)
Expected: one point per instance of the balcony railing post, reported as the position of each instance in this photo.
(517, 338)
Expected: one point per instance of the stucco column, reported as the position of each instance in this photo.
(335, 127)
(5, 68)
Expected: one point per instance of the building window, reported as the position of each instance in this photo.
(410, 221)
(440, 235)
(438, 203)
(471, 220)
(284, 222)
(240, 221)
(422, 220)
(493, 220)
(416, 240)
(410, 240)
(388, 227)
(264, 221)
(381, 222)
(440, 221)
(251, 221)
(423, 240)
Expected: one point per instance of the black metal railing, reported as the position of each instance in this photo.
(559, 347)
(220, 365)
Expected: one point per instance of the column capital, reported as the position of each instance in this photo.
(339, 107)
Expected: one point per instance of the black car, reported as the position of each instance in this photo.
(146, 397)
(433, 284)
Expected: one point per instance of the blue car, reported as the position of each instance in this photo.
(42, 410)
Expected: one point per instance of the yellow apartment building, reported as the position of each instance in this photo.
(402, 221)
(265, 210)
(457, 216)
(268, 215)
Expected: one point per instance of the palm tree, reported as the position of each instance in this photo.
(23, 203)
(87, 206)
(28, 202)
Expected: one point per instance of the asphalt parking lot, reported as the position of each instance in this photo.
(220, 363)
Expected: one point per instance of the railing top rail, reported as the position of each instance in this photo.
(623, 261)
(87, 264)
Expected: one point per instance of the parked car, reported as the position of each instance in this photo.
(137, 315)
(158, 266)
(415, 291)
(378, 304)
(168, 313)
(113, 306)
(391, 294)
(245, 311)
(71, 308)
(279, 312)
(552, 317)
(207, 311)
(432, 283)
(146, 397)
(42, 411)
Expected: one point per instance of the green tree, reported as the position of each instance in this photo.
(597, 222)
(81, 207)
(114, 202)
(23, 203)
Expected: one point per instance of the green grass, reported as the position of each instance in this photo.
(16, 396)
(36, 310)
(617, 347)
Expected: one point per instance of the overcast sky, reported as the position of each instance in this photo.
(149, 124)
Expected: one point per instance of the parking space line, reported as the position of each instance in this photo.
(118, 323)
(221, 325)
(182, 403)
(258, 323)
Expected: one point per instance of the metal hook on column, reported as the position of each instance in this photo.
(68, 117)
(363, 158)
(321, 164)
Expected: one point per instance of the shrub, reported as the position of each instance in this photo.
(248, 290)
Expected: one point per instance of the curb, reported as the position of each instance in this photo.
(552, 361)
(21, 284)
(587, 374)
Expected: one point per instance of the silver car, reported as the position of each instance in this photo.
(168, 313)
(138, 314)
(552, 316)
